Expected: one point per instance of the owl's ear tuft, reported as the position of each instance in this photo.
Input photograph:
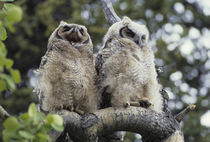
(63, 23)
(126, 20)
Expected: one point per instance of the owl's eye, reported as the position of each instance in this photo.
(130, 33)
(81, 31)
(66, 28)
(143, 38)
(126, 32)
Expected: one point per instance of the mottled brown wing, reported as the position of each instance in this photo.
(44, 58)
(105, 97)
(99, 63)
(165, 100)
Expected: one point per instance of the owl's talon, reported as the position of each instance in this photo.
(142, 103)
(79, 111)
(136, 104)
(145, 103)
(69, 108)
(127, 104)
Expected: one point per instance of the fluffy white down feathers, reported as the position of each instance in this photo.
(128, 71)
(67, 73)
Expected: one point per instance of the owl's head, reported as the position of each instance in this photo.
(76, 35)
(126, 28)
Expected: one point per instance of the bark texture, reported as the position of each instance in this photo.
(154, 127)
(109, 12)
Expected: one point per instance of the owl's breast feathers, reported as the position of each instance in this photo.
(69, 64)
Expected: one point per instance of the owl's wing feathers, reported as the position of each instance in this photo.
(99, 63)
(46, 74)
(105, 52)
(105, 97)
(45, 57)
(38, 89)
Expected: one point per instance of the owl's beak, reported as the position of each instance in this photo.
(141, 42)
(74, 36)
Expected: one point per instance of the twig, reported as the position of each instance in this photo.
(109, 12)
(3, 113)
(183, 113)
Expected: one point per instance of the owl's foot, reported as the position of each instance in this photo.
(127, 104)
(145, 103)
(74, 109)
(69, 108)
(79, 111)
(136, 104)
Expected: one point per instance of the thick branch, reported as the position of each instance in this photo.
(148, 123)
(109, 12)
(3, 113)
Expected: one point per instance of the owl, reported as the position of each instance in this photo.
(125, 68)
(66, 76)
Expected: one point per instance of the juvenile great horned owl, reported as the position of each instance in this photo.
(66, 73)
(125, 67)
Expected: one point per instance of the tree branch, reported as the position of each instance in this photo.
(3, 113)
(183, 113)
(151, 125)
(109, 12)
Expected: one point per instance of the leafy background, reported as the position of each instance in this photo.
(180, 37)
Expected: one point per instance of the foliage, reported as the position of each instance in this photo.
(9, 15)
(32, 126)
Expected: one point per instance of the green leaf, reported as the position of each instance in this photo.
(49, 119)
(55, 121)
(24, 117)
(9, 63)
(57, 127)
(54, 118)
(16, 75)
(9, 136)
(43, 136)
(2, 86)
(2, 59)
(9, 25)
(14, 13)
(3, 33)
(32, 110)
(26, 135)
(8, 6)
(5, 136)
(10, 83)
(9, 80)
(36, 119)
(3, 50)
(11, 124)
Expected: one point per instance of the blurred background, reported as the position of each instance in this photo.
(179, 35)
